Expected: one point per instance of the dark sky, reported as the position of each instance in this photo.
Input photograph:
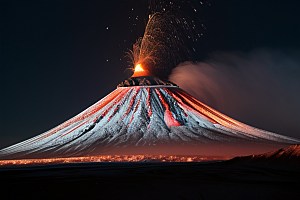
(59, 57)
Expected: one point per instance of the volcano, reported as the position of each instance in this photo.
(145, 115)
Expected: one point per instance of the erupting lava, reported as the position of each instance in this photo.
(138, 68)
(162, 46)
(139, 71)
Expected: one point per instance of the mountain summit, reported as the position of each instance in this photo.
(144, 115)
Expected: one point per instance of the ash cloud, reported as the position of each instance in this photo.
(260, 88)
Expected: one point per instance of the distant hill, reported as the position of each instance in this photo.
(291, 155)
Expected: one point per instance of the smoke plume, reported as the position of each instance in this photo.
(260, 88)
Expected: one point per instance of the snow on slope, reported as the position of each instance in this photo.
(140, 116)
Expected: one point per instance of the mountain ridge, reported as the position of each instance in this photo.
(148, 119)
(290, 155)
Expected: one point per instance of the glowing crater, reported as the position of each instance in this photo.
(140, 71)
(138, 68)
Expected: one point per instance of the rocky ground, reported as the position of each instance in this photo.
(239, 178)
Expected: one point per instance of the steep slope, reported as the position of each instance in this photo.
(155, 117)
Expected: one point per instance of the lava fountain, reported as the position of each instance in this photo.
(162, 46)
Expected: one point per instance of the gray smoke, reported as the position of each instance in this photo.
(260, 88)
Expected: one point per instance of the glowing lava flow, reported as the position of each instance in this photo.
(147, 119)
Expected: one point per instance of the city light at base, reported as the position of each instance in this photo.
(114, 158)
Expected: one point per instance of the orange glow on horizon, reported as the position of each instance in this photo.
(114, 158)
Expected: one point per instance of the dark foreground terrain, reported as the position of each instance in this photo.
(151, 180)
(273, 175)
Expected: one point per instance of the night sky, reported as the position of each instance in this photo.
(59, 57)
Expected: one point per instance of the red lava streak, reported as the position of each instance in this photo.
(168, 117)
(148, 103)
(141, 120)
(134, 110)
(91, 110)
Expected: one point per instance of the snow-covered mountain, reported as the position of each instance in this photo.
(143, 115)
